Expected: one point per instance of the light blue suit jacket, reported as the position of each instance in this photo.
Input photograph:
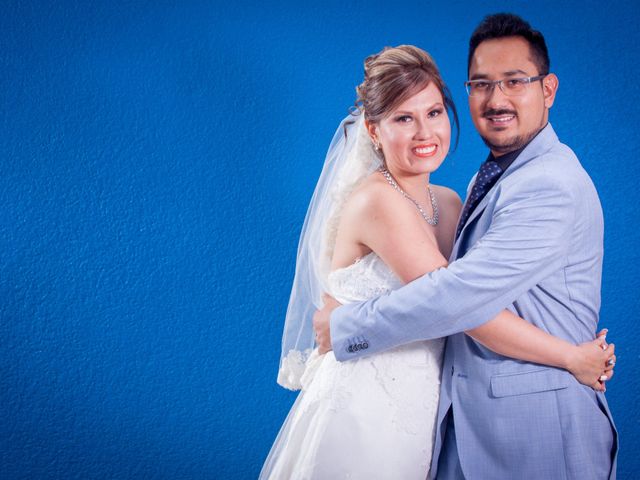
(533, 245)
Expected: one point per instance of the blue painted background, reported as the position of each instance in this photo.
(156, 163)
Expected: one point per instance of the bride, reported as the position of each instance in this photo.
(373, 209)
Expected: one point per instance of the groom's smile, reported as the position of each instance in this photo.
(499, 118)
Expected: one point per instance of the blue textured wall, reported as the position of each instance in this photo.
(156, 163)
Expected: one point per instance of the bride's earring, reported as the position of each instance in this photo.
(376, 146)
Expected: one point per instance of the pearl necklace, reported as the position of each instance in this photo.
(434, 204)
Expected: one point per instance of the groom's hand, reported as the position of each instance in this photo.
(321, 323)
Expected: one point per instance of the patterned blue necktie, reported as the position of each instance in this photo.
(488, 172)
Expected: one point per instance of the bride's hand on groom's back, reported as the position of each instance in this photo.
(592, 363)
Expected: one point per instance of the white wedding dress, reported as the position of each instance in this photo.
(369, 418)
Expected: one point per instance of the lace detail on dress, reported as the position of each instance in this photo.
(393, 375)
(329, 389)
(293, 368)
(368, 277)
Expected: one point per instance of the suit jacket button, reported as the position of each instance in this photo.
(365, 345)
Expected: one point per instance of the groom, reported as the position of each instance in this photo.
(529, 239)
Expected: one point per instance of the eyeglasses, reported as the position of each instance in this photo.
(511, 87)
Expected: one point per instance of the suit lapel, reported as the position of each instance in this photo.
(540, 144)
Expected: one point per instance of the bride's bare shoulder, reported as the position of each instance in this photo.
(372, 195)
(446, 195)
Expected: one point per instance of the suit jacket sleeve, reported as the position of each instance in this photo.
(529, 238)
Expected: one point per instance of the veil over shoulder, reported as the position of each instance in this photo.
(350, 158)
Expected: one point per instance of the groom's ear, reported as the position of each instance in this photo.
(550, 85)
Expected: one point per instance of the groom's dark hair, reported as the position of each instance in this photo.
(502, 25)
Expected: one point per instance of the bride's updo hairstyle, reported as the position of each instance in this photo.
(396, 74)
